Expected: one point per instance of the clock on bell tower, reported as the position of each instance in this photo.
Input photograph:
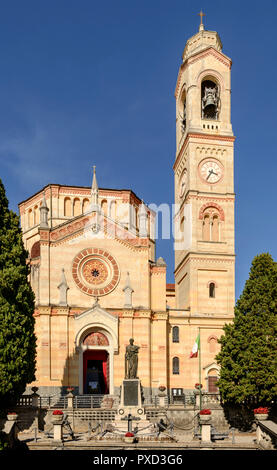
(204, 186)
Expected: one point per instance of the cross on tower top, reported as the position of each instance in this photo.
(201, 14)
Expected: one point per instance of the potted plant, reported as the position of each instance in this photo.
(129, 437)
(12, 416)
(205, 415)
(261, 413)
(198, 386)
(57, 416)
(162, 389)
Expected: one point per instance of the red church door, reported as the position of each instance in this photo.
(95, 373)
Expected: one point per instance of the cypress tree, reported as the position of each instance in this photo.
(17, 338)
(248, 356)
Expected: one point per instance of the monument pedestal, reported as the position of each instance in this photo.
(131, 393)
(130, 411)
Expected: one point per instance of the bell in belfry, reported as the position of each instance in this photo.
(210, 103)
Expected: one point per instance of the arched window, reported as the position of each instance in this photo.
(175, 334)
(212, 380)
(113, 210)
(137, 218)
(182, 107)
(184, 117)
(215, 228)
(175, 365)
(67, 207)
(211, 225)
(213, 343)
(206, 228)
(30, 218)
(209, 99)
(104, 206)
(35, 250)
(76, 207)
(85, 205)
(36, 217)
(212, 290)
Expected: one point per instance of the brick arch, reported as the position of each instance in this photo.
(214, 205)
(35, 250)
(212, 337)
(211, 74)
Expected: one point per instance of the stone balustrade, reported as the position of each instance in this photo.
(267, 435)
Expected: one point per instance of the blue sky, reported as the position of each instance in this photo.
(86, 83)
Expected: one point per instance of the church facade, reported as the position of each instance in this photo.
(94, 271)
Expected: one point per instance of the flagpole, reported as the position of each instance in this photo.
(200, 392)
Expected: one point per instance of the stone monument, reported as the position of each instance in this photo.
(131, 408)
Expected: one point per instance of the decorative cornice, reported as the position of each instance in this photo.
(226, 258)
(191, 135)
(198, 56)
(160, 316)
(158, 269)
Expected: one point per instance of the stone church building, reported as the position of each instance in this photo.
(94, 270)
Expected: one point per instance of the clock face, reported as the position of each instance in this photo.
(211, 171)
(183, 183)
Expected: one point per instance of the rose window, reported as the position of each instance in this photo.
(95, 271)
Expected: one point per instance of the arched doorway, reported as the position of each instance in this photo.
(95, 372)
(212, 380)
(96, 363)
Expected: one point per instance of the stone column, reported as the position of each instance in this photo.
(205, 423)
(70, 397)
(206, 432)
(58, 431)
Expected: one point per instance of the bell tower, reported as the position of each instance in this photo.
(204, 180)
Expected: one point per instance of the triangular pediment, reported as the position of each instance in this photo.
(93, 226)
(96, 319)
(96, 313)
(212, 365)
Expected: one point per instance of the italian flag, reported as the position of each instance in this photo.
(195, 347)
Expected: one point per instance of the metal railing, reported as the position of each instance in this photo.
(97, 401)
(184, 399)
(79, 401)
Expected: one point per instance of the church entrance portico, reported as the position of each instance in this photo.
(96, 342)
(95, 364)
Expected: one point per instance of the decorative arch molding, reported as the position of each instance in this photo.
(99, 322)
(96, 319)
(212, 337)
(212, 282)
(96, 338)
(211, 74)
(182, 96)
(211, 379)
(215, 206)
(211, 367)
(35, 250)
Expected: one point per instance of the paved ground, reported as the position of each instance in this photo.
(182, 441)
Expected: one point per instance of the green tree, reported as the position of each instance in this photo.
(248, 356)
(17, 338)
